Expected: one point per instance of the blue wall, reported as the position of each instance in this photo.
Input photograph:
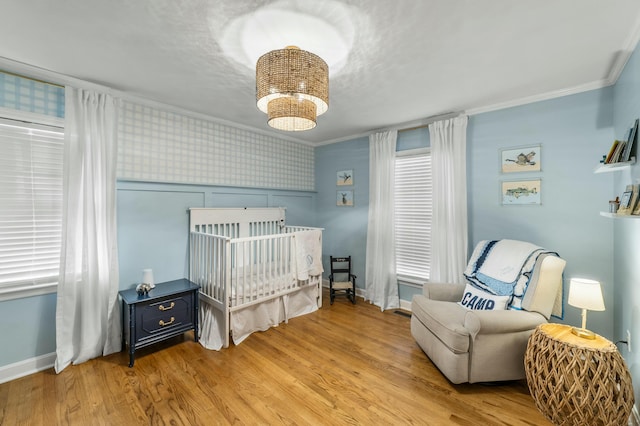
(28, 328)
(153, 229)
(346, 227)
(153, 223)
(573, 132)
(627, 231)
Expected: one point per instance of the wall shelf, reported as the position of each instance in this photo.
(619, 216)
(614, 167)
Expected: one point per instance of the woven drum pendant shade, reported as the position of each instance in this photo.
(292, 114)
(292, 87)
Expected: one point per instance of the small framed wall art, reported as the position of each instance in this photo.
(521, 192)
(522, 159)
(344, 198)
(344, 178)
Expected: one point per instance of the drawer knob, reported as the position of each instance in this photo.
(165, 308)
(162, 323)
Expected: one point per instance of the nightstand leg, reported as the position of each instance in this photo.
(123, 331)
(196, 315)
(132, 334)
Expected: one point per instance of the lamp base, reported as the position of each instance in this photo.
(583, 333)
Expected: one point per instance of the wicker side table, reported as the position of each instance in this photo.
(576, 381)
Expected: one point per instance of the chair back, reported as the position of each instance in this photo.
(340, 268)
(544, 292)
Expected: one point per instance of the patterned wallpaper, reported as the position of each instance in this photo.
(156, 145)
(24, 94)
(161, 146)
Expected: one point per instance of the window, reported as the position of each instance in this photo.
(413, 211)
(31, 158)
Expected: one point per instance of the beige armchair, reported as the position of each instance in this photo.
(478, 345)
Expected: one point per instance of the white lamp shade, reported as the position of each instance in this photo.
(147, 277)
(585, 294)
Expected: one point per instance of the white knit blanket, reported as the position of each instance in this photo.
(308, 253)
(503, 267)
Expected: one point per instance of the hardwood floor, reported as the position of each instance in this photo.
(345, 364)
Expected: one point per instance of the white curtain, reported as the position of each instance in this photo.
(449, 221)
(381, 283)
(87, 312)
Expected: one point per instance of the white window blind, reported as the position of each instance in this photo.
(413, 211)
(31, 158)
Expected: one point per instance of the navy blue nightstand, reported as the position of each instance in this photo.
(168, 310)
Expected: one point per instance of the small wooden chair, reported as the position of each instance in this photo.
(341, 278)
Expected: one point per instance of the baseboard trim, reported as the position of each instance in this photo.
(405, 305)
(26, 367)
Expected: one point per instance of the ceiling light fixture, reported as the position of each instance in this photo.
(292, 88)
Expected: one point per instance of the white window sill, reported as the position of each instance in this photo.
(22, 291)
(412, 281)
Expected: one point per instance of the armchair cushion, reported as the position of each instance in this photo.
(445, 320)
(544, 293)
(474, 298)
(443, 291)
(501, 322)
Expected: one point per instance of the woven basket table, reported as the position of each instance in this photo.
(575, 381)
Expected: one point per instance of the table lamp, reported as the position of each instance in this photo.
(586, 295)
(147, 277)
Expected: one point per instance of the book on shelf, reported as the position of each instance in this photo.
(615, 158)
(611, 151)
(626, 154)
(629, 200)
(636, 209)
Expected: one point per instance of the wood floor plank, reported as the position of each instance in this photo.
(344, 364)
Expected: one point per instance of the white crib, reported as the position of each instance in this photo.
(254, 271)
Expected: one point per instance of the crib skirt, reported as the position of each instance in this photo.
(259, 317)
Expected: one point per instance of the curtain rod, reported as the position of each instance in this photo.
(429, 120)
(422, 126)
(31, 78)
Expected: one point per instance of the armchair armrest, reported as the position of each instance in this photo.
(501, 322)
(443, 291)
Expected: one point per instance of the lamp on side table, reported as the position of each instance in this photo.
(586, 295)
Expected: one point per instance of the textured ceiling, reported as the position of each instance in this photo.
(409, 59)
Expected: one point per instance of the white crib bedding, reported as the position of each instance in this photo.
(260, 280)
(257, 287)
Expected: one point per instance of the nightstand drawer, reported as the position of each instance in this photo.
(164, 316)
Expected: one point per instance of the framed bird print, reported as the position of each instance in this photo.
(522, 159)
(344, 178)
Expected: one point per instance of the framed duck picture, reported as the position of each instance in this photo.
(522, 159)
